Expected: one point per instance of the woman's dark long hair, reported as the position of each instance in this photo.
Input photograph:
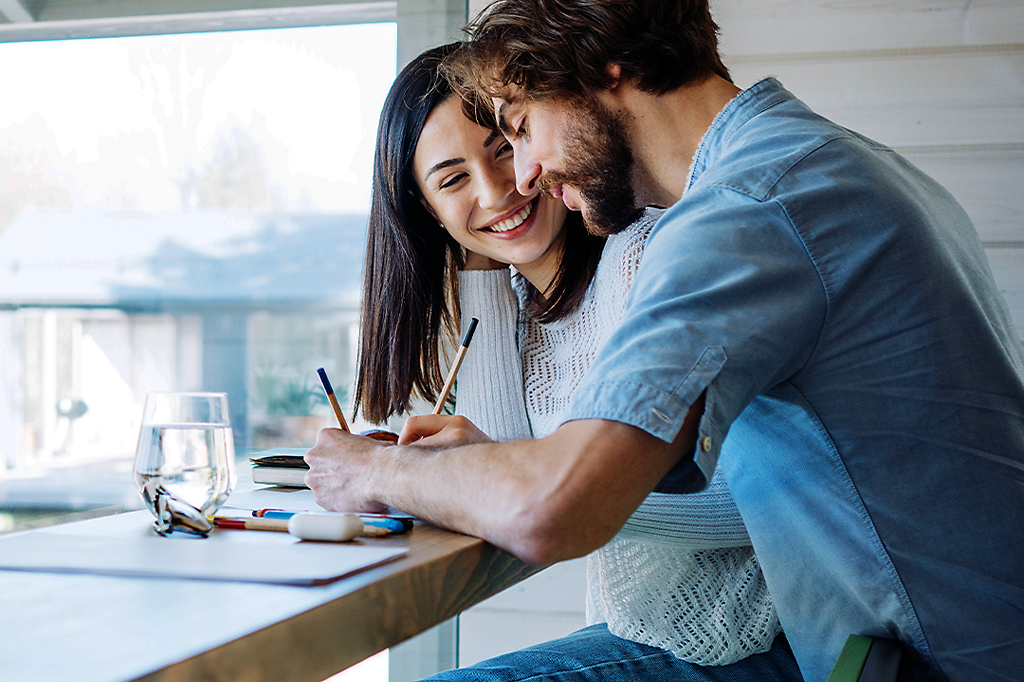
(410, 278)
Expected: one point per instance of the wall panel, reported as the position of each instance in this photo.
(755, 27)
(939, 99)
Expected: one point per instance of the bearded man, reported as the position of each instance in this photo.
(812, 312)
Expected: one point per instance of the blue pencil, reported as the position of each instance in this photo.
(393, 525)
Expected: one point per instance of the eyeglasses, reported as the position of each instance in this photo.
(174, 515)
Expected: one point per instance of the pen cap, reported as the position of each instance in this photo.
(325, 527)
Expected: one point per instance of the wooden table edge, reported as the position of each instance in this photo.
(414, 593)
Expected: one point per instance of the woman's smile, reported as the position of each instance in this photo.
(515, 225)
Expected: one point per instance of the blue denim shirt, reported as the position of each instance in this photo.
(864, 386)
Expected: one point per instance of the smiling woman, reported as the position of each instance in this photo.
(467, 181)
(445, 200)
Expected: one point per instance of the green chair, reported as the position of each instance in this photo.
(867, 659)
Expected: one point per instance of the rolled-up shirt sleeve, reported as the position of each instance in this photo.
(727, 301)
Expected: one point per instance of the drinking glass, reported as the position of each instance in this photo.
(185, 459)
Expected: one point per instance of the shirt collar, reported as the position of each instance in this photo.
(757, 98)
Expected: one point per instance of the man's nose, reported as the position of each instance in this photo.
(527, 172)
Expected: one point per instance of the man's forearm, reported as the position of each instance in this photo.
(543, 500)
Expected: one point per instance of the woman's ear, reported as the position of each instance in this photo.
(430, 210)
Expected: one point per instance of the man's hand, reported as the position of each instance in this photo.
(339, 471)
(441, 430)
(542, 500)
(341, 466)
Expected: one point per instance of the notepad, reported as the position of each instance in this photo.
(280, 466)
(240, 556)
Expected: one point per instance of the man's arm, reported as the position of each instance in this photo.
(542, 500)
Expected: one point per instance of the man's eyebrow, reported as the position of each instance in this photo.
(503, 125)
(447, 163)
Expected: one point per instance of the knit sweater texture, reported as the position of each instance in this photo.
(681, 574)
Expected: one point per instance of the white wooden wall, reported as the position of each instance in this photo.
(941, 81)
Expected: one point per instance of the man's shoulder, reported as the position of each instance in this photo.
(774, 143)
(764, 134)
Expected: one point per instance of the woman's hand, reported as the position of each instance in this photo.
(441, 430)
(475, 261)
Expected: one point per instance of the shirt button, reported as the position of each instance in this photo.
(705, 443)
(660, 415)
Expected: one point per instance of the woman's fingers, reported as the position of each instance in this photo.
(441, 430)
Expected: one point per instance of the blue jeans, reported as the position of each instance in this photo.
(595, 655)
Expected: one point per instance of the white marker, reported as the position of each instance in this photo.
(325, 527)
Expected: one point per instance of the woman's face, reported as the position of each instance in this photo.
(467, 178)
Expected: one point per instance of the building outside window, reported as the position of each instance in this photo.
(180, 212)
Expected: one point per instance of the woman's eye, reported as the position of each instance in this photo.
(453, 180)
(503, 149)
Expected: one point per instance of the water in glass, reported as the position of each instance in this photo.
(186, 450)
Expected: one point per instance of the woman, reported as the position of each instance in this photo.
(410, 289)
(445, 224)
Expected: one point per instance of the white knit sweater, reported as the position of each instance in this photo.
(681, 574)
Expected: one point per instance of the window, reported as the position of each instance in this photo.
(184, 212)
(181, 212)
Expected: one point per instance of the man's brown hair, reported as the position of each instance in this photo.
(561, 48)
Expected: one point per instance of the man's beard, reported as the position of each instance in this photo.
(599, 164)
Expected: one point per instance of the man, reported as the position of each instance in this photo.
(810, 295)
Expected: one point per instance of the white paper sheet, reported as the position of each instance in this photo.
(244, 556)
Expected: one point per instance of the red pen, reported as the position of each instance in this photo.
(280, 525)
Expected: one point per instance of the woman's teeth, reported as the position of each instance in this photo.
(513, 222)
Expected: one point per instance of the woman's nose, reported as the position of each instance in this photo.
(497, 186)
